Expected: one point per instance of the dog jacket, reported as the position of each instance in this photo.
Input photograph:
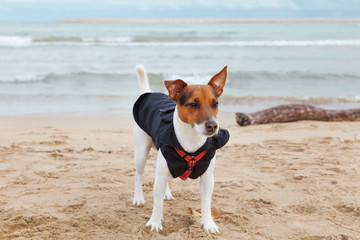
(154, 112)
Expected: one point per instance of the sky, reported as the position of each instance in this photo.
(50, 10)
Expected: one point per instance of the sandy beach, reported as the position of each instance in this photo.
(72, 178)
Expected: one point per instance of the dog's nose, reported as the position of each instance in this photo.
(211, 126)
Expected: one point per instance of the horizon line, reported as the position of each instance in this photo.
(206, 20)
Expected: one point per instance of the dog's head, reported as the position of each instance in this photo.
(198, 104)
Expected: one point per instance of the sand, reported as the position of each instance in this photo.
(72, 178)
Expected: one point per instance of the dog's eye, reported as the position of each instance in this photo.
(215, 104)
(193, 105)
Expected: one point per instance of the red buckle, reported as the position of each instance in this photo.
(191, 160)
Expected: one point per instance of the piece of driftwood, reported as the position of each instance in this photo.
(296, 112)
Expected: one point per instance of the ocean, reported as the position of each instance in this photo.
(88, 69)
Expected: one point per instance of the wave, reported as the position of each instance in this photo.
(70, 76)
(237, 76)
(13, 41)
(280, 43)
(26, 41)
(167, 41)
(291, 75)
(192, 37)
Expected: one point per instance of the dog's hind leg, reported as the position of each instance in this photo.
(142, 146)
(168, 195)
(161, 180)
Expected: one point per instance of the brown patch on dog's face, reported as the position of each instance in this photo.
(197, 104)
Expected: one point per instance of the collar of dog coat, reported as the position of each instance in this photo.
(167, 136)
(170, 148)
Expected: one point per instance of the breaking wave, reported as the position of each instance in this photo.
(72, 76)
(264, 76)
(166, 41)
(291, 75)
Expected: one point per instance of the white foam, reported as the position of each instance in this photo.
(107, 39)
(115, 39)
(23, 78)
(15, 41)
(193, 79)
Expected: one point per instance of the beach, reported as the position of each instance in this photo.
(67, 89)
(72, 178)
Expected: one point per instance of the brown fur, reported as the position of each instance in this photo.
(197, 103)
(204, 97)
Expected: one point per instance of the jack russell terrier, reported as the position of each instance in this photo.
(184, 129)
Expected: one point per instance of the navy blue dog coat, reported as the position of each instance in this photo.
(154, 112)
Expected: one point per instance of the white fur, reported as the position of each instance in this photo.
(191, 140)
(201, 129)
(142, 78)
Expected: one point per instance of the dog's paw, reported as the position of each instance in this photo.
(155, 225)
(168, 196)
(138, 201)
(211, 227)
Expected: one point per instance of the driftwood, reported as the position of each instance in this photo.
(296, 112)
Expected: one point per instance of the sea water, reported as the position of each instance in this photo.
(89, 69)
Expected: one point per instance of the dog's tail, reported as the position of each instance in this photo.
(142, 78)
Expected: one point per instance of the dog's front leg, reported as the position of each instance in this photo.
(161, 179)
(206, 190)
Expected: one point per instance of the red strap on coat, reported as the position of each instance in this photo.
(191, 160)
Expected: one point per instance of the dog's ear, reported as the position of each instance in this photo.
(175, 87)
(218, 81)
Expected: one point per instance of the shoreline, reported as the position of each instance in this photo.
(207, 20)
(345, 130)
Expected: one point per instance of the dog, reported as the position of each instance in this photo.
(184, 129)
